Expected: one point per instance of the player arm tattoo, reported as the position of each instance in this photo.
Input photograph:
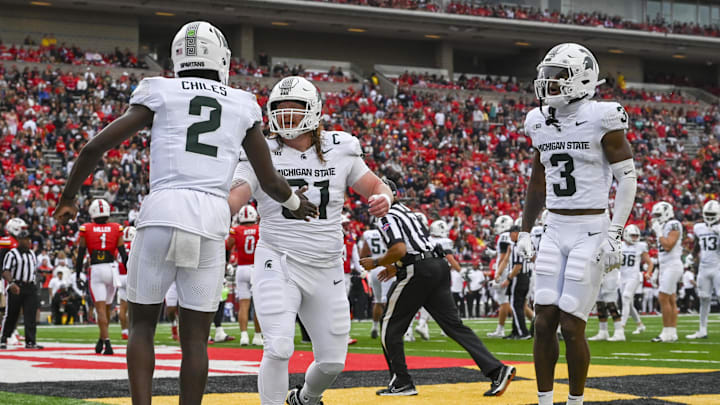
(535, 197)
(135, 118)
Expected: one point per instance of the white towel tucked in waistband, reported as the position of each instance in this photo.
(184, 249)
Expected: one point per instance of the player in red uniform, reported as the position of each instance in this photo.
(13, 227)
(244, 237)
(128, 236)
(103, 240)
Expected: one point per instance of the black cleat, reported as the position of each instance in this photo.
(108, 349)
(34, 346)
(293, 397)
(374, 334)
(500, 384)
(99, 346)
(396, 391)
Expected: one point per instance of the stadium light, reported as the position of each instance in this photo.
(279, 23)
(41, 3)
(522, 43)
(433, 36)
(616, 51)
(164, 14)
(357, 29)
(679, 56)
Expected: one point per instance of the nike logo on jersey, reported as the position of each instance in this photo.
(336, 282)
(577, 124)
(627, 172)
(326, 151)
(594, 233)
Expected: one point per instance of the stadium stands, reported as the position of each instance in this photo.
(499, 10)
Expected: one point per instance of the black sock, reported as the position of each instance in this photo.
(495, 373)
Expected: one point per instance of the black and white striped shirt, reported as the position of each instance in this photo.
(518, 258)
(402, 225)
(21, 265)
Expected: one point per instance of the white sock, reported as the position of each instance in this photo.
(219, 331)
(575, 399)
(273, 380)
(545, 398)
(316, 382)
(124, 331)
(500, 328)
(704, 312)
(672, 331)
(376, 325)
(603, 326)
(664, 331)
(243, 334)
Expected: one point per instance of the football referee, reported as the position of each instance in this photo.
(518, 283)
(18, 269)
(423, 280)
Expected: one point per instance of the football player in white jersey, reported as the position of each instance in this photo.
(607, 304)
(707, 246)
(298, 264)
(503, 223)
(668, 232)
(580, 145)
(199, 127)
(635, 254)
(374, 247)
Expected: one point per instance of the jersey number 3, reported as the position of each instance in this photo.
(569, 166)
(193, 132)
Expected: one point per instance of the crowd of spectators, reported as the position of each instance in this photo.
(49, 51)
(466, 160)
(239, 67)
(506, 84)
(499, 10)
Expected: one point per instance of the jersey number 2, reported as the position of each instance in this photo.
(324, 187)
(569, 188)
(193, 132)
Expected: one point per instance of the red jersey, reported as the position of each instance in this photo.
(347, 253)
(8, 242)
(246, 237)
(102, 240)
(121, 267)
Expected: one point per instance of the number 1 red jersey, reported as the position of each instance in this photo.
(246, 237)
(102, 238)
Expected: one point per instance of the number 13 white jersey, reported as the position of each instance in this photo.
(577, 173)
(319, 241)
(196, 142)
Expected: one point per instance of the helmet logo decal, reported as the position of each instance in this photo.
(191, 40)
(588, 63)
(287, 85)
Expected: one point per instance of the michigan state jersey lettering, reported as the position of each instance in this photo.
(320, 240)
(576, 171)
(197, 136)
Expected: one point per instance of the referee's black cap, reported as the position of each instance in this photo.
(392, 185)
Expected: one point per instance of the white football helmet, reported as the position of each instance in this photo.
(711, 212)
(662, 212)
(423, 219)
(201, 46)
(294, 88)
(247, 215)
(14, 226)
(129, 234)
(503, 223)
(344, 219)
(569, 70)
(99, 208)
(439, 229)
(631, 234)
(518, 222)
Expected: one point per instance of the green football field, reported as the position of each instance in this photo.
(636, 351)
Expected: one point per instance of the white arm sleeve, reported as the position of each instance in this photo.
(244, 173)
(626, 177)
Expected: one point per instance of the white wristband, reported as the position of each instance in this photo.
(383, 195)
(292, 203)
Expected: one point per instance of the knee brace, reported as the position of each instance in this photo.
(331, 368)
(612, 309)
(279, 348)
(602, 310)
